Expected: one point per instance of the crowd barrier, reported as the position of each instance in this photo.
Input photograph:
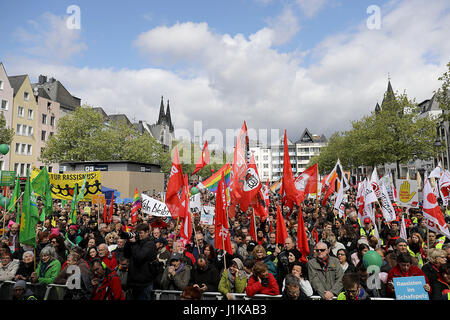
(57, 291)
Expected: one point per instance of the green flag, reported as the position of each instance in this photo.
(16, 194)
(73, 205)
(82, 190)
(41, 186)
(29, 217)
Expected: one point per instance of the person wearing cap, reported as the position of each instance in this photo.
(233, 279)
(177, 274)
(163, 255)
(368, 229)
(21, 292)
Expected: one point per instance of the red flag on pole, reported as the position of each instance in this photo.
(302, 238)
(174, 186)
(290, 193)
(222, 229)
(111, 208)
(105, 213)
(239, 166)
(186, 227)
(306, 182)
(281, 227)
(203, 160)
(252, 226)
(252, 185)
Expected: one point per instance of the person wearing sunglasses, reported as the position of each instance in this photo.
(325, 272)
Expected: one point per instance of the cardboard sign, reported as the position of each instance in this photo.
(207, 216)
(195, 204)
(99, 199)
(154, 207)
(410, 288)
(408, 193)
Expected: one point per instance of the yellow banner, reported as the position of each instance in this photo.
(63, 184)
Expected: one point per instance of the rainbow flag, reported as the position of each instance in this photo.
(212, 182)
(136, 201)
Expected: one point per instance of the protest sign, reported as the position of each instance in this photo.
(154, 207)
(62, 185)
(195, 204)
(410, 288)
(408, 193)
(7, 178)
(207, 216)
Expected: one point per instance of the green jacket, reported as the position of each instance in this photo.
(51, 272)
(240, 283)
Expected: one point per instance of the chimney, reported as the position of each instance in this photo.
(42, 79)
(52, 80)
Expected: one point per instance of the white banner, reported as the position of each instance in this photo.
(195, 204)
(207, 216)
(154, 207)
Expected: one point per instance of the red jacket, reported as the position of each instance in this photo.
(395, 272)
(255, 287)
(110, 260)
(109, 289)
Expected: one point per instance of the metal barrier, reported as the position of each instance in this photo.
(175, 295)
(57, 292)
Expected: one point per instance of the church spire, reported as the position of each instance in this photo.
(168, 118)
(161, 112)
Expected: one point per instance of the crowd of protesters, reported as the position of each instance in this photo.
(119, 260)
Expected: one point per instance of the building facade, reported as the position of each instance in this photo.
(269, 159)
(23, 147)
(6, 108)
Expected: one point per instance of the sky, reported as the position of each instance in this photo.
(292, 64)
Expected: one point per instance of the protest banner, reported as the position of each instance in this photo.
(7, 178)
(207, 216)
(410, 288)
(154, 207)
(62, 185)
(408, 193)
(195, 204)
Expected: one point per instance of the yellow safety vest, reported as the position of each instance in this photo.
(417, 255)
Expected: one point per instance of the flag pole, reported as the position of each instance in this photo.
(15, 202)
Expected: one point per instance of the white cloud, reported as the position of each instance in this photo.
(223, 79)
(50, 39)
(311, 7)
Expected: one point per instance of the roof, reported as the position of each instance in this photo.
(57, 92)
(41, 92)
(16, 82)
(109, 161)
(307, 137)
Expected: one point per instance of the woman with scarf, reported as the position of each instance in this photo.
(48, 268)
(177, 274)
(233, 279)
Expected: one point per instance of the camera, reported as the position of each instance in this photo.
(129, 235)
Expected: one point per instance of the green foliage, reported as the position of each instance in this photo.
(6, 134)
(396, 134)
(442, 94)
(85, 136)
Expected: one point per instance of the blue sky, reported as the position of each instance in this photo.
(314, 62)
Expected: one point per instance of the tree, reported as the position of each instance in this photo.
(86, 136)
(6, 134)
(442, 94)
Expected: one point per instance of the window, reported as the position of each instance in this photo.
(43, 135)
(52, 121)
(51, 134)
(2, 164)
(17, 149)
(24, 130)
(29, 149)
(19, 129)
(5, 104)
(50, 169)
(265, 157)
(1, 85)
(20, 112)
(23, 148)
(16, 168)
(26, 96)
(28, 168)
(30, 114)
(30, 131)
(44, 119)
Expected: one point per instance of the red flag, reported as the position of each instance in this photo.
(290, 193)
(252, 185)
(306, 182)
(253, 226)
(222, 229)
(176, 182)
(186, 227)
(239, 166)
(105, 213)
(203, 160)
(431, 212)
(281, 227)
(302, 239)
(111, 208)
